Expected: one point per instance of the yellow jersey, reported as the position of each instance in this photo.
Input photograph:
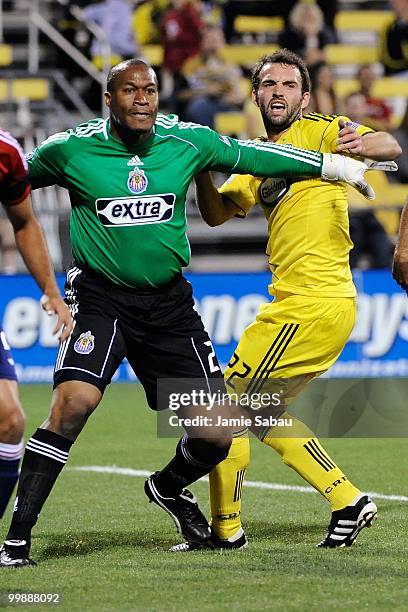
(308, 227)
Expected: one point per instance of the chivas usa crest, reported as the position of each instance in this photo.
(85, 343)
(137, 181)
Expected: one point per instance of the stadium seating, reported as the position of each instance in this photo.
(386, 87)
(250, 24)
(245, 55)
(6, 55)
(372, 21)
(35, 89)
(351, 54)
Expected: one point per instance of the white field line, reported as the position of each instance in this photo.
(253, 484)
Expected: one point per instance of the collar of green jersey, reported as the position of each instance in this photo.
(133, 147)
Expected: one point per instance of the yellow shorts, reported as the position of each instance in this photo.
(292, 340)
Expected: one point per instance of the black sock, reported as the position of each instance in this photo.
(194, 459)
(10, 455)
(45, 455)
(8, 478)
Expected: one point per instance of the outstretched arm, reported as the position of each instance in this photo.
(214, 207)
(269, 159)
(31, 244)
(400, 265)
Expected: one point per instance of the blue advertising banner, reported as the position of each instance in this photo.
(377, 347)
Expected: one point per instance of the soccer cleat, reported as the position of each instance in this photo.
(14, 553)
(236, 542)
(184, 511)
(346, 524)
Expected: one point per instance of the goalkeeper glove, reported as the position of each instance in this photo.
(340, 168)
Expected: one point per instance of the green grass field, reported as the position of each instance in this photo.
(103, 547)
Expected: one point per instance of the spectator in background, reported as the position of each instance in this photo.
(114, 17)
(401, 134)
(367, 233)
(379, 113)
(307, 34)
(212, 85)
(182, 29)
(323, 99)
(394, 40)
(329, 8)
(16, 202)
(355, 107)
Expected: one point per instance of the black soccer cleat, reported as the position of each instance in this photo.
(236, 542)
(14, 553)
(346, 524)
(184, 511)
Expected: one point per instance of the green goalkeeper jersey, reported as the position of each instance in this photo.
(128, 218)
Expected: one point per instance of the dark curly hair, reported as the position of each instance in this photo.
(282, 56)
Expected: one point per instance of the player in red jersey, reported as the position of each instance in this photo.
(15, 197)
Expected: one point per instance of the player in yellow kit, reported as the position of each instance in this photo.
(302, 332)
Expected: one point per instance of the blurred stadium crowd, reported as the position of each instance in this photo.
(55, 54)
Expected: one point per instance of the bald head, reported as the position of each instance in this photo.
(117, 70)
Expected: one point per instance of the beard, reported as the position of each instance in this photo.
(127, 133)
(274, 125)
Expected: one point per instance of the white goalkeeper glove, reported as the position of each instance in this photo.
(341, 168)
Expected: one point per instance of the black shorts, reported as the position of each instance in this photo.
(159, 332)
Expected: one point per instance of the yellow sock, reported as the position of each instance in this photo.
(304, 453)
(226, 481)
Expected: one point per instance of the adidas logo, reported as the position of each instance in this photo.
(135, 161)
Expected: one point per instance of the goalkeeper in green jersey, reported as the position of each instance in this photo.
(127, 177)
